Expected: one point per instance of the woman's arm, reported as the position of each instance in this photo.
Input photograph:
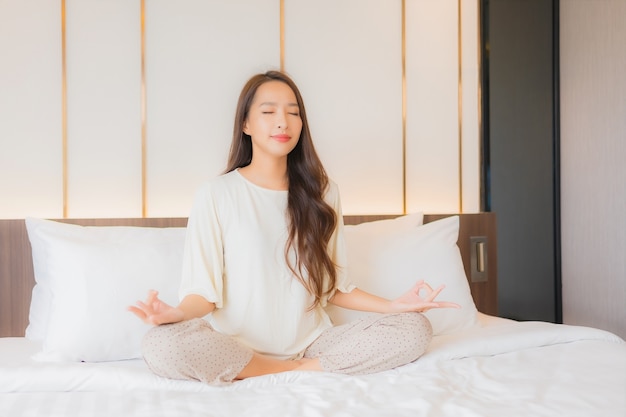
(412, 300)
(195, 306)
(154, 311)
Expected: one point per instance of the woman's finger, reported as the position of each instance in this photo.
(434, 293)
(144, 306)
(422, 285)
(152, 296)
(447, 304)
(138, 312)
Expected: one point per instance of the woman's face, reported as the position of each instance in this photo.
(273, 121)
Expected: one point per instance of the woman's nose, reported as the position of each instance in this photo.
(281, 121)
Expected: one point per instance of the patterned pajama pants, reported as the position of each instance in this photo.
(193, 350)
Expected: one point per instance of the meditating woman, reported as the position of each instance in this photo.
(264, 255)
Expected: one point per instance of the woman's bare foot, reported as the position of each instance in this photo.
(263, 365)
(309, 364)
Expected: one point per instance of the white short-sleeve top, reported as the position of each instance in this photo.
(235, 257)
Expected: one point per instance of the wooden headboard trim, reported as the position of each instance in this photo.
(16, 267)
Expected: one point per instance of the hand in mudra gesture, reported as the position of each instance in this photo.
(155, 311)
(421, 298)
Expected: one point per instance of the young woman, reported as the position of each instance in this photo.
(264, 254)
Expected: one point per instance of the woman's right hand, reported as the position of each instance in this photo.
(154, 311)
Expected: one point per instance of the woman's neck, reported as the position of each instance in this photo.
(267, 175)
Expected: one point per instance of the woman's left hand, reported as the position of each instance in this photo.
(421, 298)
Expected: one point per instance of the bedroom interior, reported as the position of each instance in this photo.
(507, 113)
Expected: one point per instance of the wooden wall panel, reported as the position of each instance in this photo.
(16, 277)
(16, 268)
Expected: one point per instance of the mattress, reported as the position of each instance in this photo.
(498, 367)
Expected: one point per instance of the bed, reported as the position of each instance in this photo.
(69, 348)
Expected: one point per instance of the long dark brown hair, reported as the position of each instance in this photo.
(311, 220)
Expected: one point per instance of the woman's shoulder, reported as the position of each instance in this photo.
(332, 185)
(227, 180)
(332, 192)
(216, 186)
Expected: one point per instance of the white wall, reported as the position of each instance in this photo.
(346, 57)
(593, 169)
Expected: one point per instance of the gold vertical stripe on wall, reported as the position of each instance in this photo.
(460, 94)
(143, 111)
(479, 83)
(403, 36)
(282, 35)
(64, 109)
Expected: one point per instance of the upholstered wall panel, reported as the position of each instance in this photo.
(352, 83)
(198, 56)
(432, 106)
(30, 109)
(184, 63)
(103, 108)
(471, 117)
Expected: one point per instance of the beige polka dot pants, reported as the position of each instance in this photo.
(193, 350)
(373, 344)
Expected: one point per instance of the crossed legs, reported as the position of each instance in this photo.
(193, 350)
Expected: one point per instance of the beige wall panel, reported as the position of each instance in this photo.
(351, 80)
(593, 174)
(199, 54)
(471, 146)
(432, 106)
(104, 117)
(30, 109)
(346, 56)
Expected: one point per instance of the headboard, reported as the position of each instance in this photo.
(16, 267)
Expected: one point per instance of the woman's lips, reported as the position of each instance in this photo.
(281, 137)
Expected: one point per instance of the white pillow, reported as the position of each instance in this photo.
(86, 277)
(388, 263)
(382, 227)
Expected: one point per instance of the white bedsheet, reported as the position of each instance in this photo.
(498, 368)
